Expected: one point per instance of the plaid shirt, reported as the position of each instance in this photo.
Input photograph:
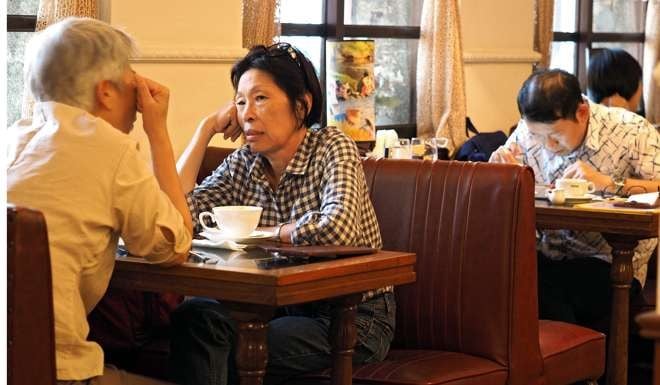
(322, 190)
(618, 143)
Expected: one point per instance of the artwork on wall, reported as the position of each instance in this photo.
(351, 88)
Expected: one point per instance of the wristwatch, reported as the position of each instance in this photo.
(619, 182)
(276, 233)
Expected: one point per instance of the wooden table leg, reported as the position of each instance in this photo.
(251, 347)
(251, 352)
(343, 334)
(622, 274)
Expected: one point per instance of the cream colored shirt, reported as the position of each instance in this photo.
(92, 187)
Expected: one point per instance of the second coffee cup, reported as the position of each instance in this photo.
(575, 187)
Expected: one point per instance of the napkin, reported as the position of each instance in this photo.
(384, 139)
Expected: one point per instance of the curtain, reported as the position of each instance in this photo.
(52, 11)
(543, 13)
(259, 24)
(440, 79)
(651, 62)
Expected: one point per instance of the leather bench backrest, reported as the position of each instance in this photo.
(472, 228)
(30, 322)
(212, 159)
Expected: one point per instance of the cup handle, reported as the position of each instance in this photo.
(204, 214)
(591, 187)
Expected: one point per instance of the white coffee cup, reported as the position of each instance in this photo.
(575, 187)
(233, 221)
(556, 196)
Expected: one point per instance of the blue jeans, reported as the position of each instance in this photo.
(204, 340)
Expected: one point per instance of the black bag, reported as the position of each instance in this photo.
(479, 147)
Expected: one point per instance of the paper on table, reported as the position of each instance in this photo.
(648, 198)
(609, 205)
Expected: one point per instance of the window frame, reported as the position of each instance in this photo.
(334, 28)
(584, 37)
(21, 23)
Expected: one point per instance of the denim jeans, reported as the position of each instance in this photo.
(204, 340)
(577, 291)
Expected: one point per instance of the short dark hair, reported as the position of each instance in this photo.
(549, 95)
(291, 71)
(612, 71)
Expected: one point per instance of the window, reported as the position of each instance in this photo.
(581, 25)
(21, 21)
(393, 24)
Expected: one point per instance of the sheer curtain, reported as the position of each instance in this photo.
(651, 62)
(52, 11)
(440, 78)
(543, 13)
(259, 25)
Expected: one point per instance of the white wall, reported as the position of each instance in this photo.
(190, 46)
(498, 53)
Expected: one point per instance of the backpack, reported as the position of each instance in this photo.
(479, 147)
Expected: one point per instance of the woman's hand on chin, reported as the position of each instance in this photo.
(224, 121)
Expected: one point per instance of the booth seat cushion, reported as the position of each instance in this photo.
(412, 367)
(564, 345)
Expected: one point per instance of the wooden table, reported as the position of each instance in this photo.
(622, 229)
(252, 286)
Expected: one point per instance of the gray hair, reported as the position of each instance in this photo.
(66, 61)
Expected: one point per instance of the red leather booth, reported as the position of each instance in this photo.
(472, 315)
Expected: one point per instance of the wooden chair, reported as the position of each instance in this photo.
(30, 320)
(649, 324)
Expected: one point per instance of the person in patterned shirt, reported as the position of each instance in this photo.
(311, 186)
(563, 135)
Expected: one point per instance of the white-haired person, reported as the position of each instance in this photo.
(74, 162)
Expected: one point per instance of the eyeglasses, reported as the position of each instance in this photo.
(283, 49)
(635, 189)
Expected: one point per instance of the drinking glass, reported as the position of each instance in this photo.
(417, 148)
(426, 148)
(431, 149)
(401, 150)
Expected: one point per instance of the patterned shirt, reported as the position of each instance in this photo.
(323, 190)
(618, 143)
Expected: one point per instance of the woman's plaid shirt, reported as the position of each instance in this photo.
(323, 191)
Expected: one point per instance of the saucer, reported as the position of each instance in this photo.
(585, 197)
(224, 244)
(219, 236)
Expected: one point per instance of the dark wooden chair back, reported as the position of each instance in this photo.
(30, 320)
(212, 159)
